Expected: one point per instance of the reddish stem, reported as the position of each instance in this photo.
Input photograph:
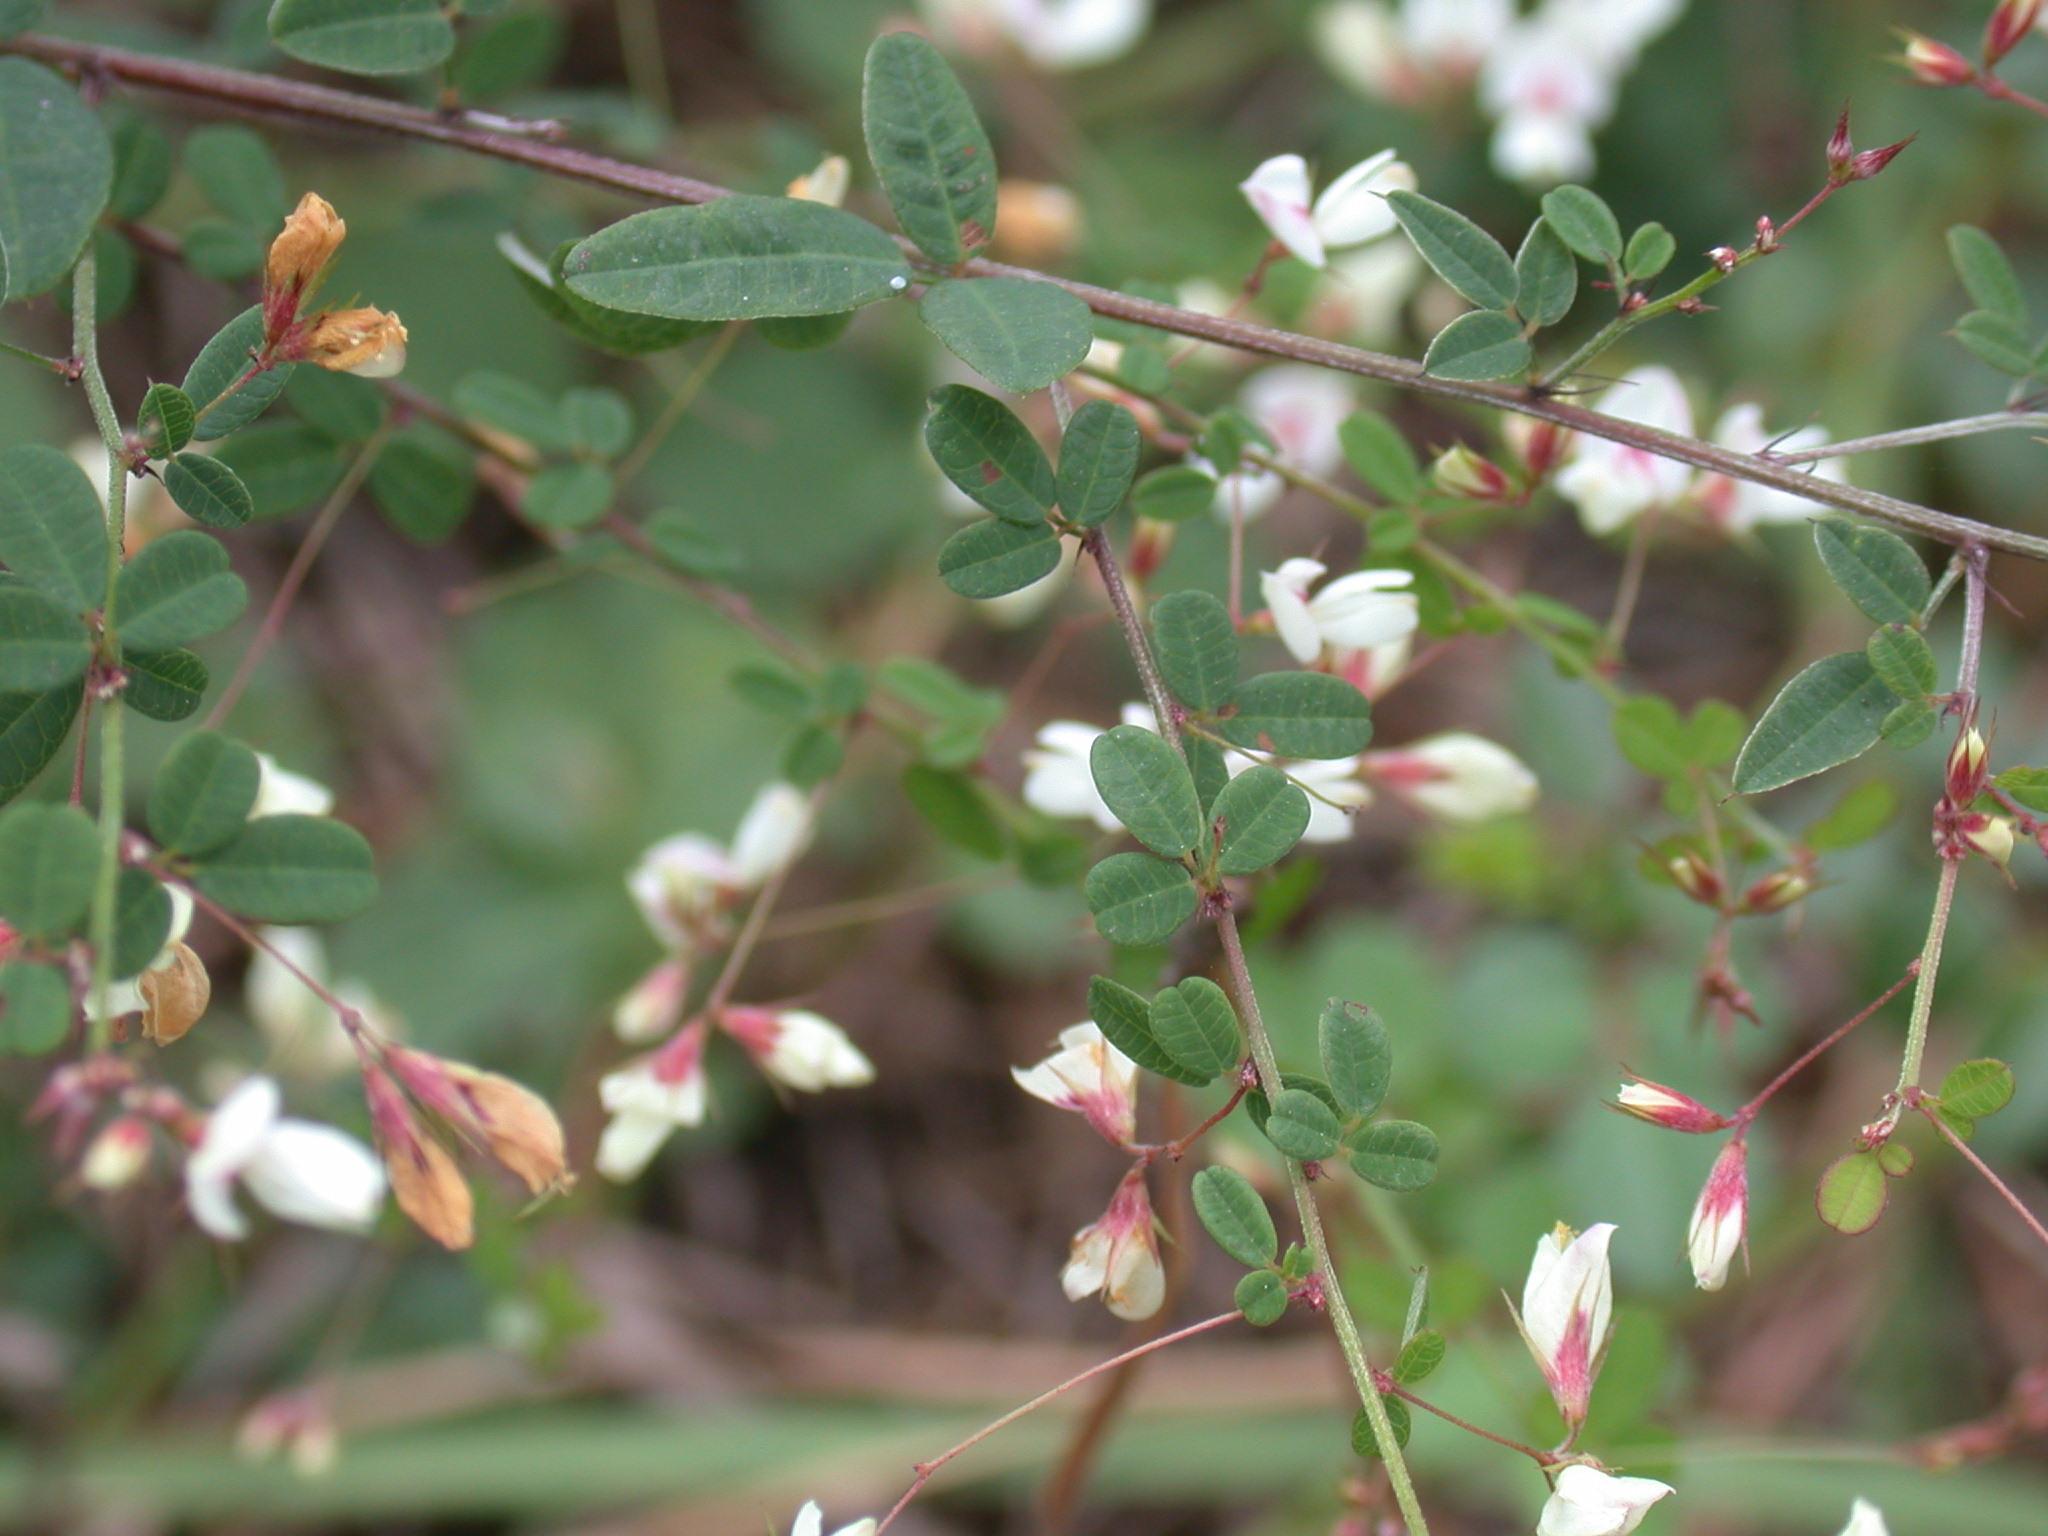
(1388, 1385)
(1813, 1053)
(2004, 1190)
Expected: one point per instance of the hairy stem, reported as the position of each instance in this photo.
(299, 101)
(1923, 982)
(85, 342)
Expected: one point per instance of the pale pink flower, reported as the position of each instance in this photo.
(799, 1049)
(1568, 1312)
(648, 1100)
(1720, 1217)
(1117, 1257)
(1612, 483)
(1456, 775)
(1350, 211)
(1739, 505)
(1091, 1077)
(1589, 1502)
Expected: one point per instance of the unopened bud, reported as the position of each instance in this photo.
(2010, 21)
(1037, 222)
(1151, 542)
(1723, 257)
(1694, 876)
(1933, 63)
(1669, 1108)
(826, 183)
(1461, 472)
(1841, 151)
(1871, 161)
(1766, 234)
(1969, 768)
(1540, 445)
(1990, 836)
(296, 1423)
(298, 259)
(1775, 892)
(426, 1183)
(117, 1155)
(175, 992)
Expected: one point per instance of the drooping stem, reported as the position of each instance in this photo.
(295, 574)
(1313, 1240)
(2004, 1190)
(923, 1471)
(1813, 1053)
(85, 343)
(350, 1017)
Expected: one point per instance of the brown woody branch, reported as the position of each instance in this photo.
(299, 101)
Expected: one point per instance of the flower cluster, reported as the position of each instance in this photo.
(370, 342)
(1548, 78)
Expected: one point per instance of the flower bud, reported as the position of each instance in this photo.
(2010, 21)
(1037, 222)
(1694, 876)
(298, 260)
(1933, 63)
(1151, 542)
(369, 342)
(1720, 1217)
(426, 1183)
(1990, 836)
(1775, 892)
(1723, 257)
(175, 992)
(1460, 472)
(296, 1423)
(1766, 234)
(1669, 1108)
(655, 1005)
(117, 1156)
(1868, 163)
(1540, 445)
(799, 1049)
(1841, 152)
(1568, 1313)
(1969, 768)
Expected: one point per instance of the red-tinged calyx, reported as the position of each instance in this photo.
(1933, 63)
(2010, 21)
(1669, 1108)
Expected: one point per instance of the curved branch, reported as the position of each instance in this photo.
(302, 102)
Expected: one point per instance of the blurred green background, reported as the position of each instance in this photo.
(800, 1302)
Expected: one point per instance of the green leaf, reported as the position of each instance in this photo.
(142, 921)
(1137, 899)
(1908, 725)
(953, 805)
(568, 495)
(238, 174)
(224, 251)
(49, 857)
(291, 869)
(1828, 714)
(1460, 252)
(1995, 340)
(1365, 1442)
(1649, 252)
(928, 148)
(1098, 461)
(53, 526)
(220, 364)
(1903, 660)
(2029, 786)
(610, 330)
(1652, 737)
(284, 465)
(1987, 276)
(1546, 276)
(424, 482)
(1173, 493)
(1896, 1159)
(739, 258)
(1262, 814)
(1197, 648)
(208, 491)
(1395, 1154)
(1358, 1058)
(177, 588)
(1714, 733)
(142, 168)
(1299, 714)
(1977, 1088)
(35, 1008)
(1380, 456)
(1262, 1297)
(1147, 787)
(599, 421)
(1232, 1213)
(1301, 1125)
(1421, 1355)
(1859, 816)
(339, 406)
(683, 542)
(992, 558)
(1479, 344)
(1020, 332)
(41, 646)
(980, 445)
(56, 168)
(364, 37)
(1878, 570)
(1195, 1025)
(1125, 1019)
(204, 791)
(1584, 222)
(1852, 1193)
(802, 333)
(509, 404)
(164, 420)
(32, 729)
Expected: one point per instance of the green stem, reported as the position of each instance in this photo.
(1622, 324)
(85, 342)
(1923, 983)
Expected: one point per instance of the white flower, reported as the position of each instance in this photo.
(1301, 408)
(298, 1170)
(1612, 483)
(1865, 1519)
(1091, 1077)
(1360, 611)
(1352, 209)
(1360, 41)
(1719, 1218)
(1117, 1257)
(1567, 1312)
(1057, 778)
(300, 1027)
(1453, 36)
(648, 1100)
(1334, 792)
(1589, 1502)
(1739, 505)
(1457, 775)
(280, 792)
(1074, 34)
(799, 1049)
(772, 835)
(654, 1006)
(810, 1521)
(1541, 148)
(683, 882)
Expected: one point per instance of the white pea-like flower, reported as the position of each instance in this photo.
(298, 1170)
(1091, 1077)
(1865, 1519)
(1612, 483)
(649, 1100)
(810, 1521)
(799, 1049)
(1456, 775)
(1740, 505)
(1351, 211)
(1568, 1312)
(280, 792)
(1719, 1218)
(1589, 1502)
(1117, 1257)
(1360, 611)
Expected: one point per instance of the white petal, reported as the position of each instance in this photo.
(1865, 1519)
(1541, 148)
(1087, 1264)
(1292, 619)
(772, 834)
(1363, 609)
(280, 792)
(629, 1144)
(316, 1175)
(810, 1520)
(1279, 194)
(1354, 209)
(235, 1130)
(212, 1204)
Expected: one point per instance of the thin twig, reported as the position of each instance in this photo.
(1814, 1052)
(1910, 437)
(2004, 1190)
